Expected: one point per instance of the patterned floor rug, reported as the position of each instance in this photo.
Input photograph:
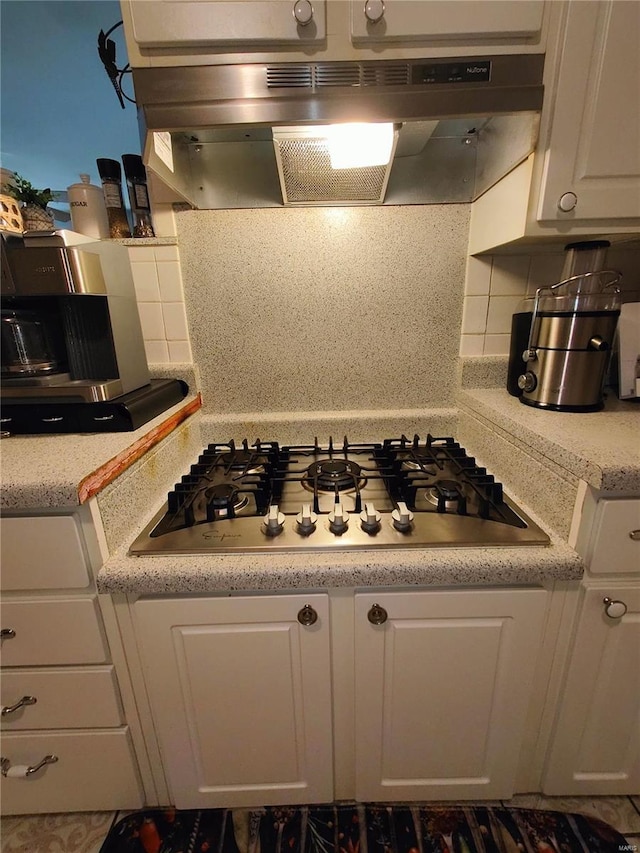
(371, 828)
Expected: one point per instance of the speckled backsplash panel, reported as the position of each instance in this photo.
(319, 309)
(130, 501)
(548, 489)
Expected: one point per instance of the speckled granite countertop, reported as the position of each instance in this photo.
(40, 471)
(412, 567)
(602, 448)
(409, 567)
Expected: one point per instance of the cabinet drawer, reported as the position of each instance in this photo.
(80, 698)
(95, 771)
(42, 552)
(52, 631)
(613, 549)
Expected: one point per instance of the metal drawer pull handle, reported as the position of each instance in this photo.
(635, 535)
(105, 418)
(613, 608)
(22, 771)
(26, 700)
(7, 634)
(377, 615)
(52, 420)
(307, 616)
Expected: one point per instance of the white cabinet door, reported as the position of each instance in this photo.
(442, 690)
(596, 745)
(231, 23)
(594, 146)
(240, 693)
(438, 20)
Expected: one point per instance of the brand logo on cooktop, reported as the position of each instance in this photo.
(44, 270)
(220, 537)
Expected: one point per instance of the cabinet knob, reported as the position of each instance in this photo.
(303, 12)
(635, 535)
(374, 10)
(377, 615)
(307, 616)
(567, 202)
(22, 771)
(21, 703)
(7, 634)
(614, 609)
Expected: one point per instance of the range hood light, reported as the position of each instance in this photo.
(353, 146)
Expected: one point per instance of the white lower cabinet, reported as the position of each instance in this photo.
(66, 746)
(435, 695)
(596, 744)
(240, 693)
(94, 771)
(443, 682)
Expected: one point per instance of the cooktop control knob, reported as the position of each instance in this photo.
(338, 520)
(306, 520)
(274, 522)
(370, 519)
(402, 517)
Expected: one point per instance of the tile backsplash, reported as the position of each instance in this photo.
(334, 271)
(496, 284)
(157, 279)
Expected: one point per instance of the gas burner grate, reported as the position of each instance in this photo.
(447, 454)
(402, 492)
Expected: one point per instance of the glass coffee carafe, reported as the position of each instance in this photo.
(27, 350)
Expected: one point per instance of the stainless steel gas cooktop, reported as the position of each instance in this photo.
(400, 493)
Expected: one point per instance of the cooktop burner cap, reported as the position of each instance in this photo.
(330, 475)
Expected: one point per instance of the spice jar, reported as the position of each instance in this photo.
(136, 176)
(111, 176)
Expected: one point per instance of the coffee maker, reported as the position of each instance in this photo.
(70, 325)
(571, 334)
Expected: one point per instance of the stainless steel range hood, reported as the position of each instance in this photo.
(461, 125)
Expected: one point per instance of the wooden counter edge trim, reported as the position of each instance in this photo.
(101, 477)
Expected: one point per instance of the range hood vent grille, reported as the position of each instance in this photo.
(321, 75)
(306, 176)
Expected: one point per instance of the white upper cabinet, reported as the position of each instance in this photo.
(191, 23)
(212, 32)
(592, 161)
(584, 178)
(439, 20)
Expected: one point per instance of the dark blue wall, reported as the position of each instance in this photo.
(58, 109)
